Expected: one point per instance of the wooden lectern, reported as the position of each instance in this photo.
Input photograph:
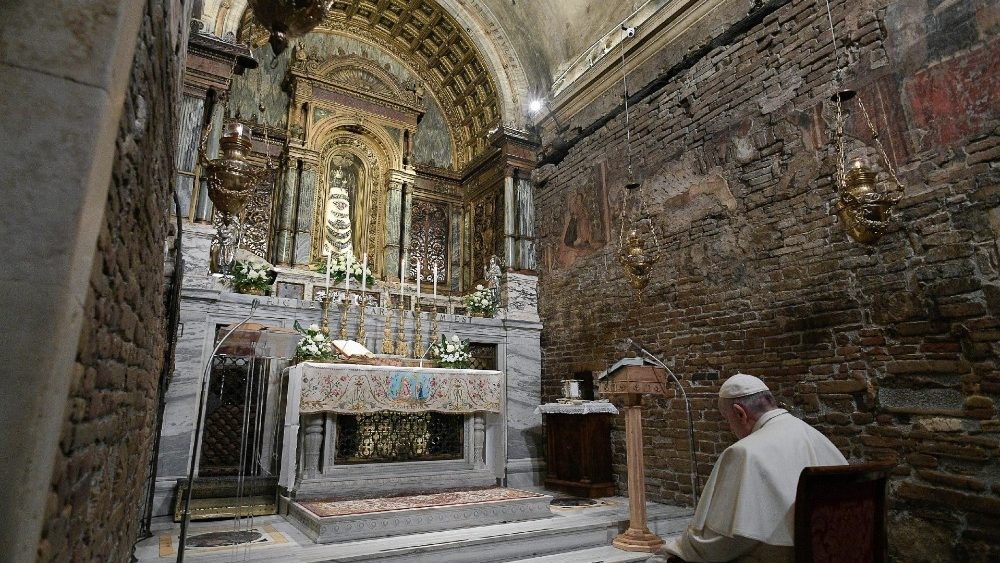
(630, 379)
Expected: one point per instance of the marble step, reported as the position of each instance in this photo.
(564, 534)
(494, 507)
(605, 554)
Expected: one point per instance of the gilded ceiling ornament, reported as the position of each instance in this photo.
(286, 19)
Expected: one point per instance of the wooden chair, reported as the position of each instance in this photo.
(840, 514)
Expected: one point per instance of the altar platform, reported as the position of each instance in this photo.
(573, 534)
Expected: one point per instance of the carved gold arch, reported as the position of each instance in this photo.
(376, 158)
(474, 18)
(426, 39)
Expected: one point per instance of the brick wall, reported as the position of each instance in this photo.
(97, 487)
(892, 351)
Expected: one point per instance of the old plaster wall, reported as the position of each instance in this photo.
(97, 485)
(892, 351)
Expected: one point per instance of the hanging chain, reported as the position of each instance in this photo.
(838, 80)
(878, 143)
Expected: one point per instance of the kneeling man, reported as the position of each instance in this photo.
(746, 511)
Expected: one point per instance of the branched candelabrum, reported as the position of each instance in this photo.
(402, 348)
(388, 346)
(418, 338)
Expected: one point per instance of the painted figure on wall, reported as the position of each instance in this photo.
(345, 204)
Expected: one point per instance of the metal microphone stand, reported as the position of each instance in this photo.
(199, 428)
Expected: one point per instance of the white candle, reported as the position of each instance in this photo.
(329, 256)
(418, 280)
(364, 268)
(435, 270)
(347, 278)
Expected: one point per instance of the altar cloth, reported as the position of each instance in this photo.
(357, 389)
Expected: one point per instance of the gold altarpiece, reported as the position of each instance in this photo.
(350, 110)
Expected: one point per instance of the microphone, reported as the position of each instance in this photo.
(687, 408)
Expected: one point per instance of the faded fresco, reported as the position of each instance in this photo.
(583, 225)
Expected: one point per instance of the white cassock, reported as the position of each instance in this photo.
(746, 511)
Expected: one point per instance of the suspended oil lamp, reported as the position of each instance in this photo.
(231, 179)
(286, 19)
(637, 261)
(864, 209)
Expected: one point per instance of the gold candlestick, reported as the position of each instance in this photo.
(361, 322)
(402, 347)
(343, 318)
(435, 326)
(324, 321)
(388, 346)
(418, 338)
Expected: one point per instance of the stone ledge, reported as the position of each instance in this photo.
(332, 529)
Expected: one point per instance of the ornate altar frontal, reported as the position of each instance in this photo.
(354, 389)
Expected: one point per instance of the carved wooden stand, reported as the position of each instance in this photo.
(637, 537)
(630, 382)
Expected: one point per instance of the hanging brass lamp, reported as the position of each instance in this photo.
(864, 209)
(636, 259)
(231, 179)
(865, 212)
(286, 19)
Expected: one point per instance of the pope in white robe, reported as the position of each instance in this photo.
(746, 510)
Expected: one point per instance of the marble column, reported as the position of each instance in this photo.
(407, 208)
(393, 202)
(509, 222)
(312, 443)
(202, 204)
(524, 226)
(188, 135)
(525, 444)
(285, 229)
(304, 215)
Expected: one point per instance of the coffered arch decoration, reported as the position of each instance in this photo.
(475, 75)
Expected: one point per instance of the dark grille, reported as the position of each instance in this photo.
(484, 356)
(391, 437)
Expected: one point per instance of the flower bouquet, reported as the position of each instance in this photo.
(452, 353)
(314, 344)
(481, 301)
(339, 271)
(251, 277)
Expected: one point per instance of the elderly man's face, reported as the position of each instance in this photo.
(740, 421)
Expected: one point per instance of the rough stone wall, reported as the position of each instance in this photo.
(97, 486)
(891, 350)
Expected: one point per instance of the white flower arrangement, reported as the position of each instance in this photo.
(482, 301)
(314, 343)
(453, 353)
(248, 276)
(339, 270)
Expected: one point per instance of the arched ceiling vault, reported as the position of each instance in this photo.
(456, 45)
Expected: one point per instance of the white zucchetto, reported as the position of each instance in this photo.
(741, 385)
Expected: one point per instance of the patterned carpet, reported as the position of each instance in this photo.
(323, 508)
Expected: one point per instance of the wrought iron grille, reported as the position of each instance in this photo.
(230, 420)
(393, 437)
(484, 356)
